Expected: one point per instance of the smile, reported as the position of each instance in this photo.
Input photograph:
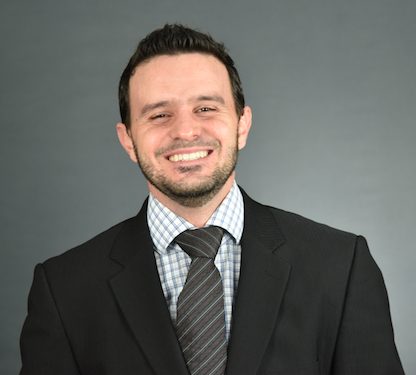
(190, 156)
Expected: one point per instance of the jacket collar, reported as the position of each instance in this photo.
(139, 294)
(263, 279)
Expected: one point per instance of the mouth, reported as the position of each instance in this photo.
(188, 156)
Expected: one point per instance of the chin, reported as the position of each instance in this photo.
(195, 194)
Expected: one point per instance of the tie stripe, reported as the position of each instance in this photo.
(210, 357)
(218, 334)
(205, 315)
(199, 271)
(207, 327)
(200, 321)
(198, 303)
(203, 284)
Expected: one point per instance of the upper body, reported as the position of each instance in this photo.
(306, 298)
(310, 300)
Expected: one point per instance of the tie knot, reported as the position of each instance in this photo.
(202, 243)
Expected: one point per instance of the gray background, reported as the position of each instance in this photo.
(332, 86)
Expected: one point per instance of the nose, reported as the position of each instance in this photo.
(185, 127)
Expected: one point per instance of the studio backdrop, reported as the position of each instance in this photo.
(332, 85)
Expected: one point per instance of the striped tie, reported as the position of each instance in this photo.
(200, 320)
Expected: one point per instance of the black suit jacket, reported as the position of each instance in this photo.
(310, 300)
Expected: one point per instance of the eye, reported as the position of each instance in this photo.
(205, 109)
(158, 116)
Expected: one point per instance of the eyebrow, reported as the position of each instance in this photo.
(214, 98)
(150, 107)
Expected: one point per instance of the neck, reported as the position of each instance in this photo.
(197, 216)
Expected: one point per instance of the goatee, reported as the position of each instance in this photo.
(195, 195)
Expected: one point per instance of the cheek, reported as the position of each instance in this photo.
(230, 137)
(148, 143)
(224, 131)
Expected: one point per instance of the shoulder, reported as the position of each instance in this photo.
(293, 224)
(305, 239)
(89, 255)
(316, 250)
(321, 242)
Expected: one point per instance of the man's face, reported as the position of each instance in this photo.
(185, 133)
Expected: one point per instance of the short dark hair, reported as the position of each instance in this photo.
(172, 40)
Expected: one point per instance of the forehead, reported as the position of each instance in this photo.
(182, 74)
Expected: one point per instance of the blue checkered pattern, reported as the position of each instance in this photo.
(173, 263)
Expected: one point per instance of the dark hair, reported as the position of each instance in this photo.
(171, 40)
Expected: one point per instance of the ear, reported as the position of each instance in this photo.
(244, 125)
(124, 137)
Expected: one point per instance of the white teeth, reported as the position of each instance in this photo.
(191, 156)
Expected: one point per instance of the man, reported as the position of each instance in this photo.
(291, 296)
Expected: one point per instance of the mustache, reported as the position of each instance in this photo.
(176, 145)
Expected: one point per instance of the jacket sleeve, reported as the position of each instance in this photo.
(45, 349)
(365, 343)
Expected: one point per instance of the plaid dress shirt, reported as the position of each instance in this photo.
(173, 263)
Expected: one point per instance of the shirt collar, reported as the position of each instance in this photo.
(164, 225)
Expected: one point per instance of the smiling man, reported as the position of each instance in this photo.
(184, 131)
(204, 280)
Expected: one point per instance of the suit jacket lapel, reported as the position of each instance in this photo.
(139, 294)
(263, 278)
